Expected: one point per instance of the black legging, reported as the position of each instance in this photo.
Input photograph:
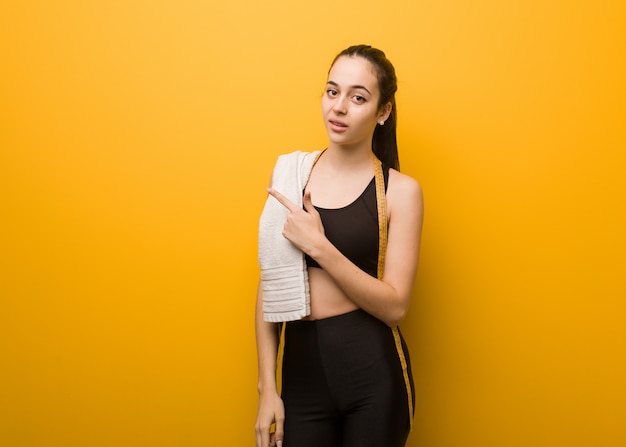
(343, 384)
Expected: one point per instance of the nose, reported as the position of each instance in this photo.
(339, 107)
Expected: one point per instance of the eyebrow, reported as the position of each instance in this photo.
(352, 86)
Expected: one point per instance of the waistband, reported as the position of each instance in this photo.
(353, 315)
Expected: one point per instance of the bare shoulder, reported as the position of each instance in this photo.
(403, 190)
(405, 211)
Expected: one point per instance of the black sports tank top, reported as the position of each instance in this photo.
(353, 229)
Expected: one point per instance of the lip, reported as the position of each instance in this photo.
(338, 126)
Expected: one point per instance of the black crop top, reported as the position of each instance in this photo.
(353, 229)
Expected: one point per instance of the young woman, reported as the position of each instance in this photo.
(346, 379)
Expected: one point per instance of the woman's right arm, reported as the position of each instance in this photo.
(271, 409)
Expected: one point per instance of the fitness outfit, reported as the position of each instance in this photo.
(346, 380)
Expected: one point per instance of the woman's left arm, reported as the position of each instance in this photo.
(387, 299)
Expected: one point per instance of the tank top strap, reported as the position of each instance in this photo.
(386, 175)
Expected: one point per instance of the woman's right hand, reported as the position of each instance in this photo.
(271, 411)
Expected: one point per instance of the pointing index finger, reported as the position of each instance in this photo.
(283, 200)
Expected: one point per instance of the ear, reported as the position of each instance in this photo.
(384, 113)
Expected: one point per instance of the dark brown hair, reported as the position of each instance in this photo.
(384, 144)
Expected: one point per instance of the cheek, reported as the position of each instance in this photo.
(367, 117)
(326, 106)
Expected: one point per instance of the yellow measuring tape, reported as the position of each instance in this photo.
(381, 200)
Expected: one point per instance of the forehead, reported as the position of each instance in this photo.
(348, 71)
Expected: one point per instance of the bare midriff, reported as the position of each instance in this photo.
(327, 299)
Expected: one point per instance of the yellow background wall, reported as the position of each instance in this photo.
(136, 140)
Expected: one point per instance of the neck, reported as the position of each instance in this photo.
(352, 157)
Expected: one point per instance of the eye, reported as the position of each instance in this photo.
(359, 99)
(331, 92)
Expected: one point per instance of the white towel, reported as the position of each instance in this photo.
(283, 269)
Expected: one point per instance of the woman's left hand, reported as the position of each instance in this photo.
(303, 227)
